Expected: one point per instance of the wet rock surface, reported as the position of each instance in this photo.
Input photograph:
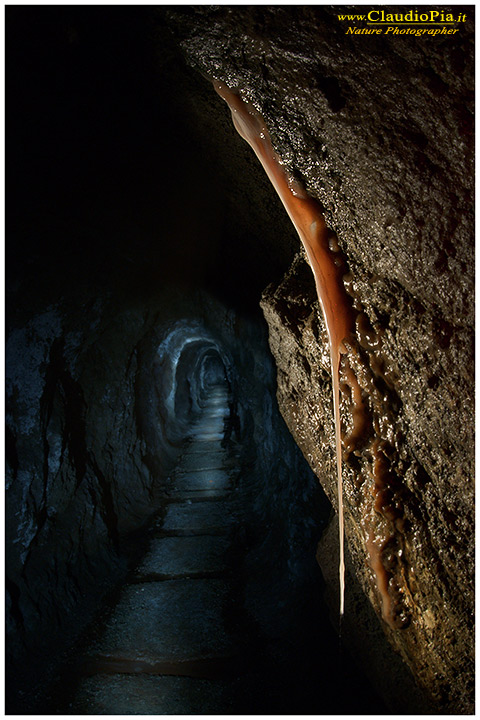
(430, 618)
(380, 132)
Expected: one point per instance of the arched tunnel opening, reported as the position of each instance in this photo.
(171, 513)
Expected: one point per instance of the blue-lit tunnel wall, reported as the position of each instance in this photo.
(135, 269)
(188, 361)
(133, 285)
(98, 418)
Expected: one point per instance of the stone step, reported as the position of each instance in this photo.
(167, 621)
(214, 435)
(218, 462)
(141, 578)
(204, 449)
(201, 480)
(214, 668)
(213, 426)
(199, 460)
(197, 495)
(213, 410)
(202, 461)
(198, 517)
(200, 447)
(213, 414)
(210, 530)
(184, 555)
(209, 423)
(151, 695)
(214, 404)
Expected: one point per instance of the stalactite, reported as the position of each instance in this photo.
(357, 370)
(309, 222)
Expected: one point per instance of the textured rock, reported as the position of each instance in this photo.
(78, 483)
(384, 668)
(380, 132)
(170, 620)
(184, 555)
(206, 517)
(132, 695)
(90, 455)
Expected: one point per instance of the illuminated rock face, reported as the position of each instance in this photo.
(381, 134)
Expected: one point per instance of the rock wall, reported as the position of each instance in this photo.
(83, 470)
(379, 130)
(100, 401)
(102, 265)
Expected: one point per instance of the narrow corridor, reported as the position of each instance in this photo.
(165, 647)
(178, 638)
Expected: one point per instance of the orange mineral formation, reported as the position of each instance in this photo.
(309, 222)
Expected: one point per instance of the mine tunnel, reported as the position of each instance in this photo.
(171, 510)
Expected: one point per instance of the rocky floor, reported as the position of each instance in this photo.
(166, 648)
(176, 638)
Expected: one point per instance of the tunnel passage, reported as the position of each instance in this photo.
(221, 610)
(145, 396)
(189, 363)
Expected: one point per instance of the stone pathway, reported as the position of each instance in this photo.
(183, 637)
(166, 647)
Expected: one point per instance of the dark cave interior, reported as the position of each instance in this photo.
(141, 233)
(142, 230)
(104, 143)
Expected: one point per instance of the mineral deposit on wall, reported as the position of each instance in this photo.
(379, 130)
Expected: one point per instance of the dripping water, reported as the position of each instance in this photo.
(335, 361)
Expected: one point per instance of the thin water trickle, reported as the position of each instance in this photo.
(335, 358)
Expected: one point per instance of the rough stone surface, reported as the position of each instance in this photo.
(205, 516)
(183, 555)
(430, 557)
(132, 695)
(169, 620)
(360, 624)
(201, 481)
(380, 132)
(204, 461)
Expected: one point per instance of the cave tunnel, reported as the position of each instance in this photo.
(169, 547)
